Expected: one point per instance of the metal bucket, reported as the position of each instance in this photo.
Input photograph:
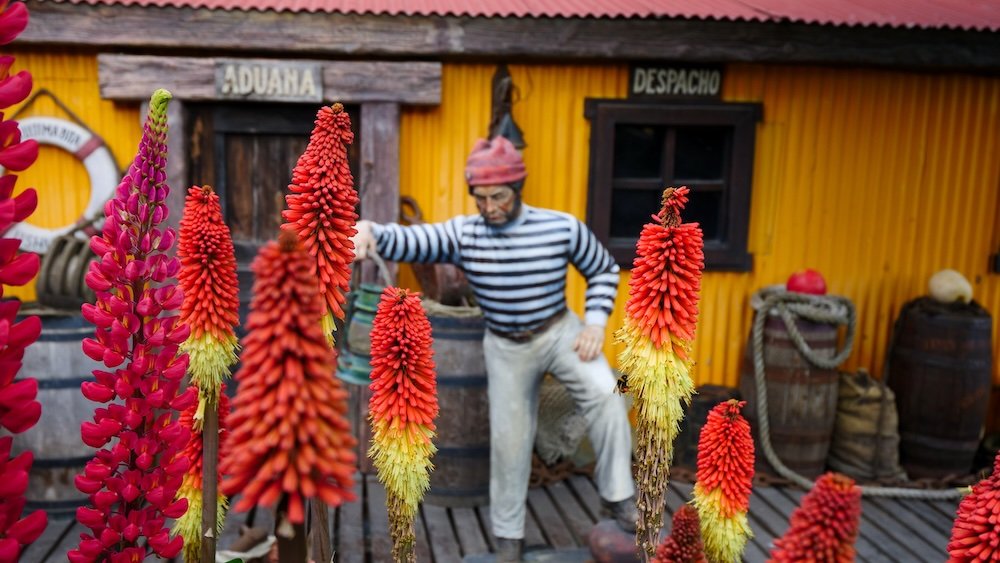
(354, 355)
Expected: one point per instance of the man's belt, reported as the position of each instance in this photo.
(526, 335)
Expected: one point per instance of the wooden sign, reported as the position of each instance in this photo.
(277, 81)
(675, 81)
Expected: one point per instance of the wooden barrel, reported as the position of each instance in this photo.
(940, 368)
(57, 361)
(461, 475)
(801, 398)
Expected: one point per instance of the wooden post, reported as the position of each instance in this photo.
(321, 545)
(379, 186)
(292, 546)
(210, 485)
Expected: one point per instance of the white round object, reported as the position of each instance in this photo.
(949, 286)
(96, 158)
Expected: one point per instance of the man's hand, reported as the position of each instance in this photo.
(589, 342)
(364, 240)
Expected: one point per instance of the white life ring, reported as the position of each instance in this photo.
(96, 158)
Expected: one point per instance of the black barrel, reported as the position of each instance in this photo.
(940, 367)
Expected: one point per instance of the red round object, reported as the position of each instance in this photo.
(610, 544)
(807, 281)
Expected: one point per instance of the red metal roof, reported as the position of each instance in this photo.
(955, 14)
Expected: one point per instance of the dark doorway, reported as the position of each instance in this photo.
(247, 152)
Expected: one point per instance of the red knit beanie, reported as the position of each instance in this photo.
(493, 163)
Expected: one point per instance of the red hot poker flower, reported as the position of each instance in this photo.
(403, 407)
(657, 334)
(666, 275)
(211, 290)
(404, 387)
(975, 535)
(288, 433)
(825, 526)
(321, 208)
(683, 545)
(725, 475)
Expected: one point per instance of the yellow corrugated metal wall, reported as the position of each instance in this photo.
(61, 181)
(876, 178)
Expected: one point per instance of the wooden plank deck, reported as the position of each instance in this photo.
(559, 517)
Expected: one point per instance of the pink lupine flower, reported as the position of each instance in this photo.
(13, 20)
(19, 410)
(133, 479)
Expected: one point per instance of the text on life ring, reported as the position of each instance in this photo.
(89, 149)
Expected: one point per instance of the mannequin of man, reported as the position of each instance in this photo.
(515, 258)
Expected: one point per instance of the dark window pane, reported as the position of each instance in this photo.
(638, 151)
(705, 208)
(631, 209)
(701, 153)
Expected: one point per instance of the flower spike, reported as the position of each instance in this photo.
(403, 407)
(321, 209)
(975, 536)
(825, 525)
(725, 475)
(211, 291)
(19, 409)
(684, 544)
(211, 309)
(660, 319)
(289, 437)
(133, 479)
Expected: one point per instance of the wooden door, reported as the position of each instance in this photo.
(246, 152)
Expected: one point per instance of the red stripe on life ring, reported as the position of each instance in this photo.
(89, 147)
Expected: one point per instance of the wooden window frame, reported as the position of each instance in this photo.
(728, 254)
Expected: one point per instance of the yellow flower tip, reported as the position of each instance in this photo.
(209, 360)
(724, 536)
(402, 462)
(188, 526)
(329, 326)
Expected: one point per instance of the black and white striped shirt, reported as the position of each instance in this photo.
(517, 270)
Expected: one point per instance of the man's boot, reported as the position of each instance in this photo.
(509, 550)
(624, 512)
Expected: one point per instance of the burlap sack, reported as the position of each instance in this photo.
(865, 442)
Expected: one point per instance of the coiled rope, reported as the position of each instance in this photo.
(820, 309)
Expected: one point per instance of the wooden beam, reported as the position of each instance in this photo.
(134, 77)
(366, 35)
(379, 174)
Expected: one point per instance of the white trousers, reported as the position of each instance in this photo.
(515, 372)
